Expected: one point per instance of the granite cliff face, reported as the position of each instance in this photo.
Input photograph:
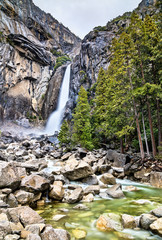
(95, 49)
(30, 42)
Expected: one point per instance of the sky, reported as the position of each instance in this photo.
(81, 16)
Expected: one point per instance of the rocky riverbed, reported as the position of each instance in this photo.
(34, 171)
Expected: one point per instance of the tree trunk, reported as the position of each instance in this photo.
(136, 117)
(159, 124)
(145, 136)
(149, 109)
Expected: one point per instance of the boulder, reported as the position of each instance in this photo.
(75, 170)
(157, 212)
(74, 197)
(5, 229)
(24, 197)
(81, 207)
(9, 176)
(34, 165)
(49, 234)
(12, 237)
(128, 221)
(32, 236)
(146, 220)
(11, 201)
(79, 234)
(108, 178)
(115, 191)
(109, 222)
(58, 217)
(88, 198)
(57, 191)
(25, 215)
(34, 183)
(95, 189)
(156, 179)
(91, 180)
(35, 228)
(156, 226)
(62, 234)
(118, 159)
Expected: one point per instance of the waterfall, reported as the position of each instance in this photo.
(54, 120)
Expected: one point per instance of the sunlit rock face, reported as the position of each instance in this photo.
(30, 40)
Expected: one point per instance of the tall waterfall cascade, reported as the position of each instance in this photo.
(54, 120)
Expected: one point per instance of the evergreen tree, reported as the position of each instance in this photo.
(64, 135)
(82, 131)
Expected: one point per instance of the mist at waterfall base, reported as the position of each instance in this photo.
(54, 122)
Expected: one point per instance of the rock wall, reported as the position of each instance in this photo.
(30, 41)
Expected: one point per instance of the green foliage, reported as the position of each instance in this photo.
(82, 125)
(100, 28)
(43, 97)
(64, 135)
(83, 77)
(60, 61)
(55, 52)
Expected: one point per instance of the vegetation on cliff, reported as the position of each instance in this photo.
(128, 95)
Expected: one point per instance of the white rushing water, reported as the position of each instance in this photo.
(54, 121)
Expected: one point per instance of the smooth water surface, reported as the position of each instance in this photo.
(86, 219)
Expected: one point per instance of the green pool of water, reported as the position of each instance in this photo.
(86, 219)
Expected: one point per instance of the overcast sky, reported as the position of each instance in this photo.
(81, 16)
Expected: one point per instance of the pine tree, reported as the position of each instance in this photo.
(64, 135)
(82, 130)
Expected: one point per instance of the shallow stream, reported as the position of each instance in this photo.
(86, 219)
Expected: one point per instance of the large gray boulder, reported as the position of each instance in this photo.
(156, 226)
(118, 159)
(108, 178)
(146, 220)
(57, 191)
(49, 234)
(115, 191)
(34, 183)
(75, 170)
(9, 176)
(74, 196)
(25, 215)
(24, 197)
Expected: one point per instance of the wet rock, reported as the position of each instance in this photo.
(109, 222)
(142, 202)
(94, 189)
(108, 178)
(128, 221)
(88, 198)
(81, 207)
(75, 170)
(79, 234)
(115, 191)
(58, 217)
(157, 212)
(34, 183)
(24, 197)
(156, 226)
(9, 176)
(146, 220)
(57, 191)
(156, 179)
(91, 180)
(25, 215)
(131, 188)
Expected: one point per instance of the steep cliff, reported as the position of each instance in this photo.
(95, 49)
(30, 42)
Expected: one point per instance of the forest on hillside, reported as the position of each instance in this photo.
(124, 105)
